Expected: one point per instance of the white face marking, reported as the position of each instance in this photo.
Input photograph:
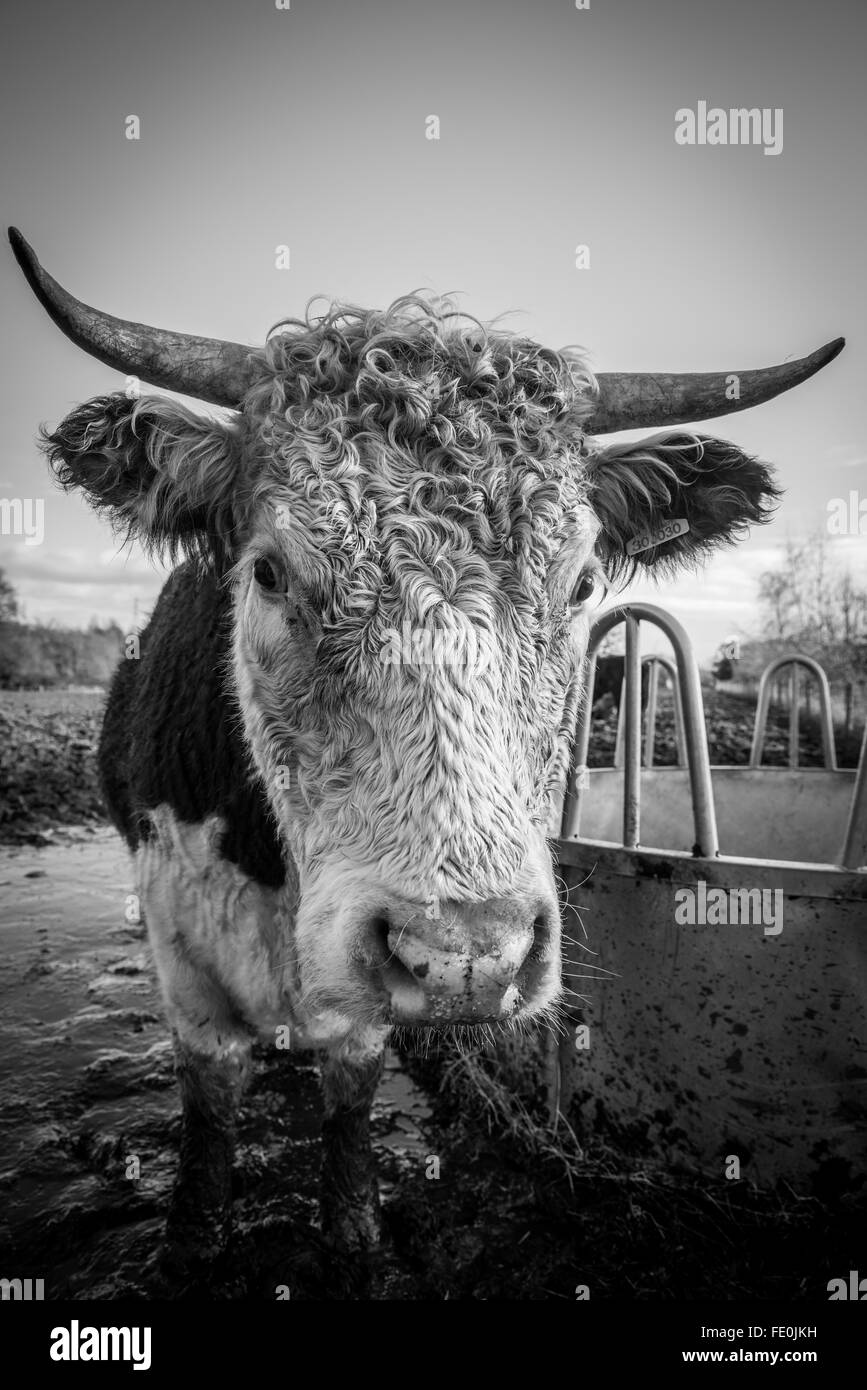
(403, 785)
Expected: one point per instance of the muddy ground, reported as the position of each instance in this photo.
(89, 1116)
(89, 1130)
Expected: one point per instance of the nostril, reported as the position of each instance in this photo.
(542, 928)
(372, 948)
(379, 928)
(380, 952)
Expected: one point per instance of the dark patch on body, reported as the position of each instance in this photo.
(172, 733)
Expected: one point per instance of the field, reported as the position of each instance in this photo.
(48, 777)
(48, 741)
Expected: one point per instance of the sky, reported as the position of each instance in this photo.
(306, 126)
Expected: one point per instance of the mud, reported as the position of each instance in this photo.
(89, 1114)
(90, 1128)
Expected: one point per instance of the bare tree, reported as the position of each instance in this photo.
(8, 600)
(810, 602)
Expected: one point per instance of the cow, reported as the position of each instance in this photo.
(334, 830)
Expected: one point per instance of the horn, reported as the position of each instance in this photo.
(207, 368)
(645, 400)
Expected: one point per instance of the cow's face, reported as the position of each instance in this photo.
(414, 527)
(410, 612)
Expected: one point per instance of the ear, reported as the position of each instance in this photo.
(638, 490)
(163, 474)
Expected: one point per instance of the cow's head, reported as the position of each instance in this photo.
(414, 517)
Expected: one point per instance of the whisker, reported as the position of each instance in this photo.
(582, 945)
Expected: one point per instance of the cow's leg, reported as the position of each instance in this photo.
(197, 909)
(349, 1192)
(211, 1083)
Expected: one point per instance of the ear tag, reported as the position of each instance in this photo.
(646, 540)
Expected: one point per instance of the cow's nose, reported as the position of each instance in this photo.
(463, 962)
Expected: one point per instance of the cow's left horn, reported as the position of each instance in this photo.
(207, 368)
(646, 400)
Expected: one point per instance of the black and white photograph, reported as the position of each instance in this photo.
(433, 672)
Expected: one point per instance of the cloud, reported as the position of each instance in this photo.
(78, 565)
(847, 454)
(71, 587)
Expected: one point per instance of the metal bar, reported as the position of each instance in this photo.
(578, 777)
(769, 675)
(679, 732)
(653, 664)
(697, 758)
(670, 669)
(826, 719)
(632, 737)
(794, 715)
(854, 852)
(576, 782)
(704, 816)
(761, 722)
(621, 713)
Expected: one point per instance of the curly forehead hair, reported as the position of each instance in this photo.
(422, 369)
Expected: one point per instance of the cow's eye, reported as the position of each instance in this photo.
(584, 590)
(269, 576)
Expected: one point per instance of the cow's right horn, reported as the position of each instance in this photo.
(650, 400)
(208, 368)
